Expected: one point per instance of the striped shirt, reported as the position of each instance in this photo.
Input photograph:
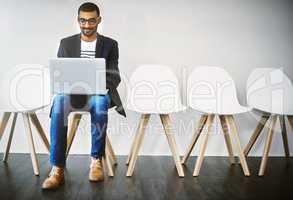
(88, 49)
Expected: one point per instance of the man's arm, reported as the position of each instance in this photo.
(112, 71)
(61, 51)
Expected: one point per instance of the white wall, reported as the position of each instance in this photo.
(239, 35)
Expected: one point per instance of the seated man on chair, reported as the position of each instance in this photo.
(87, 44)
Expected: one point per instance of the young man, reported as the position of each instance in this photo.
(87, 44)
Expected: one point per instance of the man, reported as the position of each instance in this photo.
(87, 44)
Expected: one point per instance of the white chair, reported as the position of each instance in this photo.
(211, 91)
(269, 91)
(108, 160)
(153, 89)
(24, 90)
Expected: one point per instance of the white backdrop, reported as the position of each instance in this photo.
(236, 34)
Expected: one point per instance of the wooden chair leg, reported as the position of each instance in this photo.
(4, 122)
(290, 119)
(165, 119)
(111, 151)
(107, 162)
(232, 124)
(256, 134)
(131, 149)
(195, 137)
(109, 155)
(227, 137)
(31, 143)
(267, 145)
(284, 135)
(40, 130)
(72, 131)
(200, 157)
(140, 132)
(5, 158)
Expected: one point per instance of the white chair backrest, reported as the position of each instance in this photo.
(24, 88)
(153, 89)
(212, 90)
(270, 90)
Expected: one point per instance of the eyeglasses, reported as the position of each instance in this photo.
(91, 21)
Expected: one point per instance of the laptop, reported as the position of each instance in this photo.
(84, 76)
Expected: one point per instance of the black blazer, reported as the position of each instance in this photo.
(105, 48)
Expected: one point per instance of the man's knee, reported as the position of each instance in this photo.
(99, 104)
(61, 104)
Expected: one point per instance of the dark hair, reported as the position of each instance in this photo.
(89, 7)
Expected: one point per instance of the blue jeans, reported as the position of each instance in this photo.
(97, 105)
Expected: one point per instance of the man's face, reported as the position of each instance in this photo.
(88, 22)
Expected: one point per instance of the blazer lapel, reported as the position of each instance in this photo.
(99, 45)
(76, 47)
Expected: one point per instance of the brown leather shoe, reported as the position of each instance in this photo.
(55, 179)
(96, 170)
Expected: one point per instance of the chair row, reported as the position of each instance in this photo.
(154, 89)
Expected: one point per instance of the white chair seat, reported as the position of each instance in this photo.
(4, 109)
(149, 108)
(211, 90)
(285, 111)
(154, 89)
(81, 112)
(226, 109)
(24, 88)
(271, 91)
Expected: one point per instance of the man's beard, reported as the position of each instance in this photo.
(88, 32)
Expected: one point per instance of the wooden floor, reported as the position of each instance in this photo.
(154, 178)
